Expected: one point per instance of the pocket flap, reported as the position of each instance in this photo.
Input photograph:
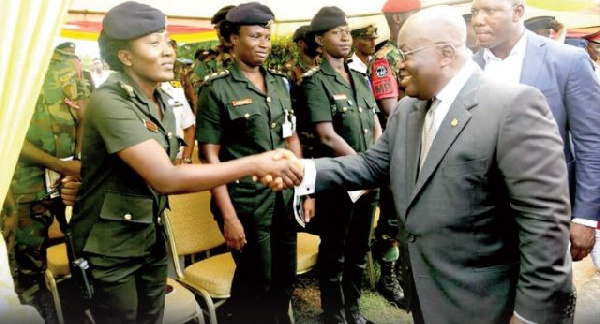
(126, 207)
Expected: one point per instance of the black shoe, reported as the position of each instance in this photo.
(357, 318)
(389, 287)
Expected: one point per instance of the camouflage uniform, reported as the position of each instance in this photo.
(211, 61)
(53, 130)
(390, 52)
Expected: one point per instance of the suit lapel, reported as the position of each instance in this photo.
(453, 124)
(535, 51)
(414, 127)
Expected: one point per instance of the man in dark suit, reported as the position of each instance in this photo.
(565, 75)
(479, 183)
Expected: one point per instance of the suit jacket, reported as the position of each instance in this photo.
(565, 75)
(487, 219)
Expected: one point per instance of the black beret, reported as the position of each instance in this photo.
(301, 33)
(328, 18)
(369, 32)
(468, 17)
(250, 13)
(220, 15)
(539, 22)
(131, 20)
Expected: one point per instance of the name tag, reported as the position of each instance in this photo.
(241, 102)
(341, 96)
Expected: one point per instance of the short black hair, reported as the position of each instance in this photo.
(227, 29)
(109, 51)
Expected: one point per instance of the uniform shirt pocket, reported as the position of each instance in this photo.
(125, 226)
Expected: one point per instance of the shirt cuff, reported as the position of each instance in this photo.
(523, 319)
(307, 186)
(586, 222)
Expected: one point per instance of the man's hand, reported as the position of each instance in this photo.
(234, 234)
(69, 189)
(70, 168)
(582, 240)
(279, 169)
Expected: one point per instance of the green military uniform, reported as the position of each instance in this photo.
(235, 115)
(344, 226)
(211, 61)
(116, 220)
(52, 129)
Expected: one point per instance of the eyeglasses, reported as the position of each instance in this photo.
(403, 54)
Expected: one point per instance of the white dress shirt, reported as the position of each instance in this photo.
(357, 64)
(506, 70)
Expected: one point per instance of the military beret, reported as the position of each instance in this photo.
(398, 6)
(131, 20)
(369, 32)
(539, 22)
(220, 15)
(594, 37)
(250, 13)
(328, 18)
(468, 17)
(66, 45)
(300, 33)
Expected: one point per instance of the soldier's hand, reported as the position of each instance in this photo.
(69, 188)
(70, 168)
(235, 238)
(9, 228)
(279, 169)
(309, 208)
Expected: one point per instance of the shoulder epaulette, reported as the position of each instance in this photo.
(311, 72)
(216, 75)
(273, 71)
(128, 89)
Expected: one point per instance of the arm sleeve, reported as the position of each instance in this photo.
(582, 100)
(535, 174)
(208, 117)
(116, 121)
(317, 102)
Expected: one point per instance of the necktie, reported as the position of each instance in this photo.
(428, 133)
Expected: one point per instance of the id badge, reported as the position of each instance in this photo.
(287, 129)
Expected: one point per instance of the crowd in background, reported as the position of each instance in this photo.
(334, 99)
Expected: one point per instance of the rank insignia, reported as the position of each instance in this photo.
(454, 122)
(150, 125)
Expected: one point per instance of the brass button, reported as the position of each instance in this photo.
(159, 220)
(237, 181)
(344, 109)
(273, 125)
(127, 217)
(268, 99)
(360, 109)
(247, 115)
(365, 131)
(169, 134)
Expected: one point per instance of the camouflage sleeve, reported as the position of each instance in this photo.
(115, 119)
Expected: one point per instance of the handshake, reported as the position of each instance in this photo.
(279, 169)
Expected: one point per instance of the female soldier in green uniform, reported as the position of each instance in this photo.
(342, 110)
(127, 170)
(241, 111)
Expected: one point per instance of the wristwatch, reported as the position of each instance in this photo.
(187, 160)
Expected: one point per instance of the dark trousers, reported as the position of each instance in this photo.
(129, 290)
(345, 229)
(263, 282)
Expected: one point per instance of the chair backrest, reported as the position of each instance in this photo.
(191, 223)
